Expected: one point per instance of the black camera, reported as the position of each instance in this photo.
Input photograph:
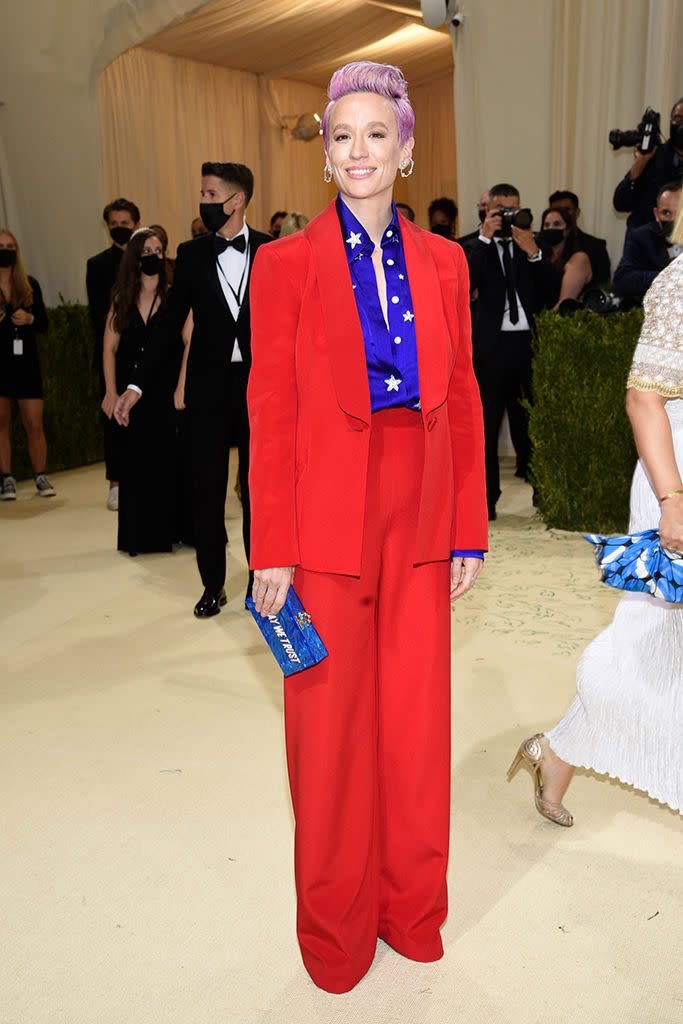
(510, 215)
(597, 301)
(646, 136)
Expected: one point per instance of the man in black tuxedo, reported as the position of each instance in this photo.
(648, 249)
(211, 280)
(594, 248)
(512, 282)
(122, 218)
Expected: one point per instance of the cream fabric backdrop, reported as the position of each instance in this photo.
(538, 86)
(161, 117)
(435, 167)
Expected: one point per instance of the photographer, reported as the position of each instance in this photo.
(513, 282)
(648, 249)
(636, 194)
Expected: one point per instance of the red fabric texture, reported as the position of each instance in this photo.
(309, 403)
(368, 735)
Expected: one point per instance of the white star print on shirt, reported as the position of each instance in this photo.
(408, 316)
(354, 239)
(392, 383)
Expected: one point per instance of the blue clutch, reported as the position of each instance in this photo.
(637, 561)
(291, 635)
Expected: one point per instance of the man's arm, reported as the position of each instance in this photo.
(627, 191)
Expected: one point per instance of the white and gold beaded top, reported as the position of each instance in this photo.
(658, 359)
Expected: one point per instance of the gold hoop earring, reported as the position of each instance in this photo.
(327, 174)
(410, 169)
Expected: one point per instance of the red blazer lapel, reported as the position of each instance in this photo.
(342, 326)
(434, 352)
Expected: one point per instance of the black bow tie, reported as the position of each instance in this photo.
(221, 243)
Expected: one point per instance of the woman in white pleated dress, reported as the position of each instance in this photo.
(626, 720)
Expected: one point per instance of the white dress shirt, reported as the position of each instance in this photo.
(507, 324)
(233, 274)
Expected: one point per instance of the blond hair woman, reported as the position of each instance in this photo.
(22, 316)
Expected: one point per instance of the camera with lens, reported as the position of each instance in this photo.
(510, 215)
(647, 136)
(597, 301)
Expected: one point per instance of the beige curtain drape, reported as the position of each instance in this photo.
(435, 163)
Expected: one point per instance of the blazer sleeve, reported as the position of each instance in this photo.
(470, 521)
(275, 301)
(633, 277)
(98, 300)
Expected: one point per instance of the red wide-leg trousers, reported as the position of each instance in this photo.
(368, 735)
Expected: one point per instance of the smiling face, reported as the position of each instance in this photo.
(364, 151)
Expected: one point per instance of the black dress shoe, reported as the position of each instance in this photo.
(209, 604)
(492, 515)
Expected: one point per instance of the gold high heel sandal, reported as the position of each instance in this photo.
(531, 751)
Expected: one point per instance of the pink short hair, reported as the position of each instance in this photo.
(382, 79)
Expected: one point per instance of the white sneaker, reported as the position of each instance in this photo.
(113, 499)
(8, 489)
(44, 488)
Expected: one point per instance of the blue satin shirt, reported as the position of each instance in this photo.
(390, 351)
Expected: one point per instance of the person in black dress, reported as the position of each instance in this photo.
(122, 217)
(22, 316)
(147, 488)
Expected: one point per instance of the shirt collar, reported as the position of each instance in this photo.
(244, 231)
(357, 241)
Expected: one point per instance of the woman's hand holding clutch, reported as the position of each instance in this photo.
(270, 588)
(671, 523)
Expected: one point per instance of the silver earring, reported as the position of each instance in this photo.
(404, 173)
(327, 174)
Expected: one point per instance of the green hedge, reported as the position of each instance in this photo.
(72, 402)
(583, 450)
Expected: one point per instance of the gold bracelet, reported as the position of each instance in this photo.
(671, 494)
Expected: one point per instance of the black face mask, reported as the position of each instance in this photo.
(151, 264)
(8, 257)
(552, 236)
(121, 235)
(276, 232)
(443, 230)
(676, 135)
(666, 227)
(214, 216)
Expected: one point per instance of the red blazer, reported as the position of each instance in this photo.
(309, 403)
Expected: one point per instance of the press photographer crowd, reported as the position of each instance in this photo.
(173, 404)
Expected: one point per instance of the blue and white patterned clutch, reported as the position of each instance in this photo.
(291, 635)
(637, 561)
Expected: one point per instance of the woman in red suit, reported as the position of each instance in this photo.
(367, 478)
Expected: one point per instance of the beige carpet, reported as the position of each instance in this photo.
(146, 838)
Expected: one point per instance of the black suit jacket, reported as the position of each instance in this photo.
(100, 275)
(596, 251)
(645, 256)
(197, 287)
(536, 285)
